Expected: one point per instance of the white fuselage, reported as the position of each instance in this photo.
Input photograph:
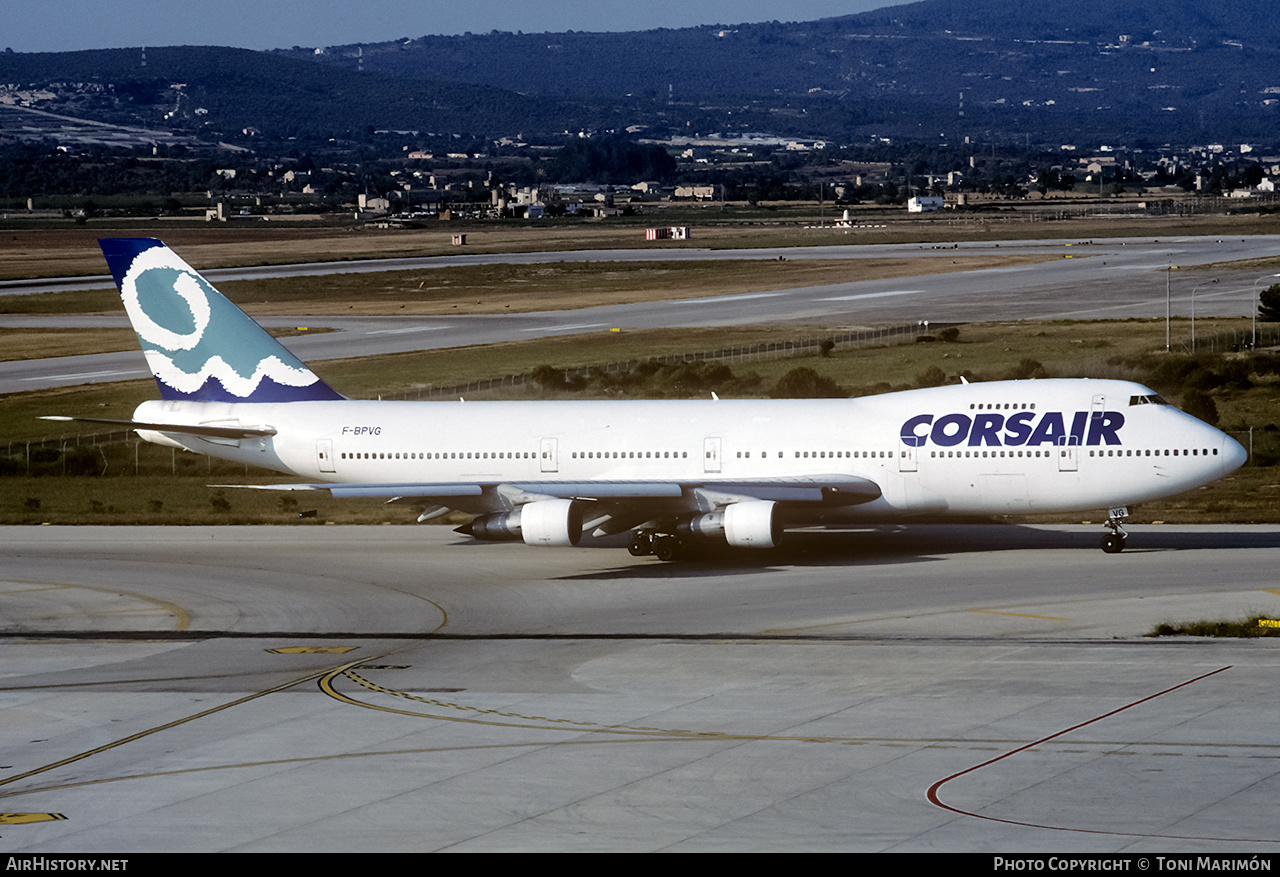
(1000, 447)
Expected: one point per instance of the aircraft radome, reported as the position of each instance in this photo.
(673, 473)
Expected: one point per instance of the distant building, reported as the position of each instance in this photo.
(669, 233)
(924, 204)
(648, 189)
(369, 208)
(697, 193)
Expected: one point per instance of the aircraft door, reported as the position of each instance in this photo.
(711, 454)
(1097, 409)
(548, 455)
(324, 455)
(907, 458)
(1068, 450)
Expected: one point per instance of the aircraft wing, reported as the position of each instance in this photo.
(700, 494)
(744, 512)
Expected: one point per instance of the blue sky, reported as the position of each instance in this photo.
(62, 25)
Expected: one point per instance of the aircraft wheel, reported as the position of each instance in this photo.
(666, 547)
(1112, 543)
(639, 546)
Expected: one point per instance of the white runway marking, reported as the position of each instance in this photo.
(562, 328)
(888, 294)
(405, 331)
(81, 375)
(715, 299)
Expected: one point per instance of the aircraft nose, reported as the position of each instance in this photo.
(1233, 454)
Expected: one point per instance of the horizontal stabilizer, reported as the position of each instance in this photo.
(205, 430)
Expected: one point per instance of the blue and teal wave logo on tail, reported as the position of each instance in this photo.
(199, 345)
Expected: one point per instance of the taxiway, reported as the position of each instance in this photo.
(1106, 278)
(982, 688)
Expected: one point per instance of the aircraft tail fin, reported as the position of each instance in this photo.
(199, 345)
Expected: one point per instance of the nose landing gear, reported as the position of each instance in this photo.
(1113, 542)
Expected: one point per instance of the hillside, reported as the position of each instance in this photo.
(219, 92)
(994, 70)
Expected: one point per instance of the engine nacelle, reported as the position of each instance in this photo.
(502, 527)
(549, 522)
(748, 524)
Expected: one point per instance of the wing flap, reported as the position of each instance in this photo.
(832, 490)
(373, 491)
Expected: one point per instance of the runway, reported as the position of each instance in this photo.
(1106, 278)
(923, 688)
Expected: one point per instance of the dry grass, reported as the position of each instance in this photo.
(490, 289)
(73, 250)
(556, 286)
(179, 499)
(1252, 627)
(16, 344)
(983, 351)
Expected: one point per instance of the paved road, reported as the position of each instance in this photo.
(1105, 278)
(648, 254)
(395, 688)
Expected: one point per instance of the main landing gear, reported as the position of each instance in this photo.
(664, 546)
(1113, 542)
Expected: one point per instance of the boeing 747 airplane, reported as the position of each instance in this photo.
(674, 473)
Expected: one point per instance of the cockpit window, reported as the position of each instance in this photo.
(1153, 399)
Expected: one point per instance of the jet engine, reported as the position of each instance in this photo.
(549, 522)
(748, 524)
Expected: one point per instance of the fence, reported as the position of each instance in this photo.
(119, 452)
(907, 332)
(1268, 335)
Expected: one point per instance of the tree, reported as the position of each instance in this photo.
(805, 383)
(931, 377)
(611, 160)
(1200, 405)
(1269, 304)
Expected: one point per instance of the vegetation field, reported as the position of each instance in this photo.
(1253, 627)
(69, 473)
(489, 289)
(40, 250)
(16, 344)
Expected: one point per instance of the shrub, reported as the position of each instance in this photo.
(931, 377)
(805, 383)
(1200, 405)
